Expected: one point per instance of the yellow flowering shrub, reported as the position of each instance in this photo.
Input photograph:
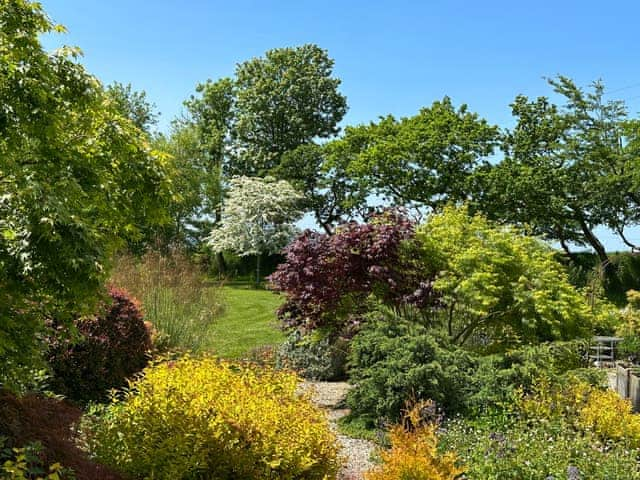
(589, 408)
(548, 400)
(207, 418)
(611, 417)
(414, 454)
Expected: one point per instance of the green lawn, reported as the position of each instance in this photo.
(249, 321)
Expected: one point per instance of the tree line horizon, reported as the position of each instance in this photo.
(564, 169)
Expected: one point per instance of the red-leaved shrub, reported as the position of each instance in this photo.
(113, 345)
(327, 278)
(32, 418)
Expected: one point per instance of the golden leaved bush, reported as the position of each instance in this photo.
(207, 418)
(414, 454)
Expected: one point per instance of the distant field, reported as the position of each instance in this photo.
(249, 321)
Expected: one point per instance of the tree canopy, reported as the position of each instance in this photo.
(425, 160)
(567, 168)
(76, 178)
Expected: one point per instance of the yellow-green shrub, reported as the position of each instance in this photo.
(553, 400)
(414, 454)
(589, 408)
(206, 418)
(611, 417)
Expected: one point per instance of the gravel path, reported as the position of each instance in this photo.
(330, 396)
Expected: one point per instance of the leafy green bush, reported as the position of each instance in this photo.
(312, 357)
(204, 418)
(498, 379)
(112, 346)
(395, 362)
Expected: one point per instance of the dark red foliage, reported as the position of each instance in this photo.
(113, 346)
(326, 278)
(49, 421)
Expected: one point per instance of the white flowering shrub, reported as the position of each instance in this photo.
(258, 217)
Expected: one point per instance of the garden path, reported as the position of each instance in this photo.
(330, 396)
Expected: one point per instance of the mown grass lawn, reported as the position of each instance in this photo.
(249, 321)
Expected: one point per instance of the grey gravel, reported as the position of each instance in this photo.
(356, 452)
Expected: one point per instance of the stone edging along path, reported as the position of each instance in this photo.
(357, 452)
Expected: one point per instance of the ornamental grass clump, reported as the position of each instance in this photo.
(175, 294)
(207, 418)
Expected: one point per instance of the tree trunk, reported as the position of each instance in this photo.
(595, 243)
(620, 230)
(327, 228)
(258, 257)
(221, 264)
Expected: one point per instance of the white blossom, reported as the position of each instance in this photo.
(258, 217)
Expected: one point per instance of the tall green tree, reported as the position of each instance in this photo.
(568, 168)
(425, 160)
(246, 125)
(134, 105)
(76, 179)
(285, 99)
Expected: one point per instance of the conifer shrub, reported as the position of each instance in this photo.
(206, 418)
(110, 347)
(393, 361)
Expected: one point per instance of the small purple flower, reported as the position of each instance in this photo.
(573, 473)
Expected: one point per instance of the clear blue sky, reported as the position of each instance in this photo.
(392, 56)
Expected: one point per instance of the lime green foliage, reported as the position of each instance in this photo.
(248, 322)
(76, 178)
(500, 284)
(205, 418)
(629, 326)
